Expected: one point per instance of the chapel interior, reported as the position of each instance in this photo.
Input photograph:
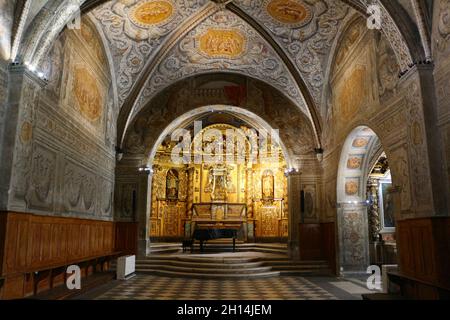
(310, 138)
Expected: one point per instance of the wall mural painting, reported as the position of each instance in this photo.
(87, 93)
(351, 95)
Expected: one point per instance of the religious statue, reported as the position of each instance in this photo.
(219, 183)
(172, 183)
(268, 187)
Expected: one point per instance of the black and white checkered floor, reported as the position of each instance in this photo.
(149, 287)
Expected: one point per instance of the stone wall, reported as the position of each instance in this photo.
(441, 55)
(365, 90)
(64, 147)
(3, 97)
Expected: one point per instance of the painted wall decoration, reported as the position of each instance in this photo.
(443, 26)
(292, 13)
(349, 41)
(388, 68)
(351, 96)
(152, 13)
(88, 95)
(352, 187)
(222, 43)
(259, 98)
(354, 162)
(136, 30)
(353, 229)
(360, 142)
(6, 25)
(294, 24)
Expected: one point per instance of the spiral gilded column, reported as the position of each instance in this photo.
(190, 193)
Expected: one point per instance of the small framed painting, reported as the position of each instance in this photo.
(386, 203)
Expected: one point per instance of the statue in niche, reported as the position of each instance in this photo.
(219, 183)
(172, 184)
(268, 187)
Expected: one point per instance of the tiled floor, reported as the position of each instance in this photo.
(149, 287)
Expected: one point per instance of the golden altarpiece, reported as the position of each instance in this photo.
(243, 189)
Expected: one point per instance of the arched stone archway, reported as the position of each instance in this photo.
(135, 175)
(361, 150)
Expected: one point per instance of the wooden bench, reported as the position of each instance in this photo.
(50, 272)
(413, 288)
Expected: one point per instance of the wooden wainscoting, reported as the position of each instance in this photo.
(424, 252)
(35, 250)
(318, 242)
(126, 239)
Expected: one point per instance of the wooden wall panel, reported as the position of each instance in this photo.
(126, 237)
(329, 244)
(310, 242)
(2, 240)
(424, 249)
(318, 242)
(30, 243)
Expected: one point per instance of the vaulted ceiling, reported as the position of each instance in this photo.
(152, 44)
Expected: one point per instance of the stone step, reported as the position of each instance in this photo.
(305, 273)
(213, 276)
(216, 270)
(188, 264)
(297, 267)
(165, 250)
(288, 262)
(200, 259)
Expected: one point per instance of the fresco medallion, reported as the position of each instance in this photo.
(293, 13)
(222, 43)
(151, 13)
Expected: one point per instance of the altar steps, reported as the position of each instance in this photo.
(214, 267)
(217, 246)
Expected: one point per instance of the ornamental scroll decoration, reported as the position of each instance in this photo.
(136, 30)
(222, 42)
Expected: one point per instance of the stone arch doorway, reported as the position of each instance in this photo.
(367, 203)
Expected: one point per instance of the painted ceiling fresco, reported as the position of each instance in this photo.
(223, 42)
(137, 32)
(152, 44)
(136, 29)
(304, 29)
